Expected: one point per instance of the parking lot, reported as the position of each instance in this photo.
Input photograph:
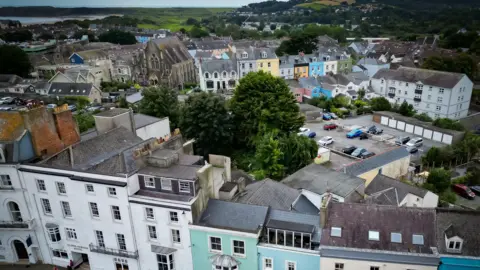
(377, 144)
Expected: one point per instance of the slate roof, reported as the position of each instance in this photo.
(356, 220)
(268, 193)
(255, 53)
(389, 191)
(173, 48)
(334, 79)
(9, 79)
(365, 165)
(233, 216)
(305, 206)
(211, 44)
(425, 76)
(188, 172)
(134, 98)
(357, 77)
(142, 120)
(370, 61)
(319, 179)
(461, 223)
(93, 54)
(112, 112)
(70, 89)
(11, 126)
(296, 221)
(219, 66)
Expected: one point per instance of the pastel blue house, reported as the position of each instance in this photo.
(316, 69)
(369, 66)
(315, 85)
(75, 58)
(290, 241)
(458, 239)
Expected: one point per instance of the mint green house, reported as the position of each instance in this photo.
(226, 236)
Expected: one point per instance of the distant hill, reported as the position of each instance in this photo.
(319, 4)
(47, 11)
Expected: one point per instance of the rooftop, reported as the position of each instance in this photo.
(112, 112)
(142, 120)
(188, 172)
(319, 179)
(293, 221)
(423, 76)
(70, 89)
(233, 216)
(367, 226)
(389, 191)
(366, 165)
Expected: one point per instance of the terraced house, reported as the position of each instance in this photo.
(255, 59)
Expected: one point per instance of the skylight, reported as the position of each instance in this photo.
(336, 231)
(417, 239)
(396, 237)
(374, 235)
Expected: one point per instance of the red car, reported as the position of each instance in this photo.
(330, 126)
(463, 191)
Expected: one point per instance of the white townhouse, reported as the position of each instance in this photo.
(437, 93)
(218, 75)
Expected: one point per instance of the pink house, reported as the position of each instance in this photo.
(299, 94)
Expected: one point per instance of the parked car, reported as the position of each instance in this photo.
(358, 152)
(72, 108)
(417, 142)
(3, 99)
(402, 140)
(326, 116)
(334, 116)
(312, 134)
(463, 191)
(349, 150)
(363, 136)
(5, 108)
(375, 130)
(412, 149)
(330, 126)
(51, 106)
(354, 133)
(367, 154)
(8, 100)
(303, 131)
(325, 141)
(475, 189)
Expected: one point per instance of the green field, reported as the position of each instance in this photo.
(172, 18)
(317, 5)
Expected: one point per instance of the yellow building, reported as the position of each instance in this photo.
(300, 70)
(267, 60)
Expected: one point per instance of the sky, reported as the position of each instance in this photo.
(128, 3)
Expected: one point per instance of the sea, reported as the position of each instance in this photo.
(43, 20)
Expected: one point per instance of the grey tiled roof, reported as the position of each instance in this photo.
(218, 66)
(233, 216)
(384, 186)
(357, 77)
(356, 220)
(188, 172)
(211, 44)
(363, 166)
(173, 49)
(462, 223)
(113, 112)
(319, 179)
(142, 120)
(268, 193)
(70, 89)
(333, 79)
(426, 76)
(256, 53)
(305, 206)
(297, 218)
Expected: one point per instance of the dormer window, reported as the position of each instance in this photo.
(396, 237)
(336, 231)
(455, 246)
(374, 235)
(244, 55)
(215, 75)
(206, 75)
(264, 55)
(417, 239)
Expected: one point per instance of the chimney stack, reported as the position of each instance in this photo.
(324, 209)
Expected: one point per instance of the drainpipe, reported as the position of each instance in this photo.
(131, 226)
(41, 222)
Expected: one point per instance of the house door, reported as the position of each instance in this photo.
(224, 84)
(20, 249)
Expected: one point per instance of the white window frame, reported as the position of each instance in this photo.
(244, 248)
(152, 232)
(54, 232)
(265, 267)
(60, 252)
(46, 204)
(149, 181)
(441, 90)
(121, 242)
(147, 216)
(91, 205)
(454, 243)
(373, 235)
(170, 262)
(173, 215)
(60, 186)
(66, 209)
(113, 213)
(182, 189)
(287, 265)
(6, 181)
(40, 184)
(100, 239)
(210, 244)
(165, 180)
(176, 236)
(110, 193)
(336, 229)
(71, 233)
(87, 186)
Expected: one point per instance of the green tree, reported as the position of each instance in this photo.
(273, 27)
(118, 37)
(161, 102)
(462, 63)
(423, 117)
(46, 36)
(448, 123)
(192, 21)
(298, 152)
(206, 119)
(62, 37)
(197, 32)
(14, 61)
(380, 104)
(81, 33)
(268, 157)
(263, 102)
(361, 93)
(438, 180)
(85, 121)
(17, 36)
(122, 102)
(341, 101)
(406, 109)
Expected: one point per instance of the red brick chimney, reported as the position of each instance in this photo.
(66, 126)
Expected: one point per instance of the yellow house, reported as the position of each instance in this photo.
(300, 70)
(267, 60)
(393, 163)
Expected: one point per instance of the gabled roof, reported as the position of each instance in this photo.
(366, 165)
(142, 120)
(305, 206)
(319, 179)
(335, 79)
(70, 89)
(461, 223)
(391, 191)
(11, 126)
(233, 216)
(173, 48)
(219, 66)
(268, 193)
(425, 76)
(294, 221)
(356, 220)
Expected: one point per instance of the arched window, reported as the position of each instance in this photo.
(215, 75)
(54, 233)
(206, 75)
(233, 73)
(15, 211)
(224, 74)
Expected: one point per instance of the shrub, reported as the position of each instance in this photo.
(448, 124)
(423, 117)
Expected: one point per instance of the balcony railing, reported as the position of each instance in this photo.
(114, 252)
(391, 95)
(417, 99)
(19, 225)
(418, 91)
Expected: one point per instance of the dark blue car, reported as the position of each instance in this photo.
(326, 116)
(354, 133)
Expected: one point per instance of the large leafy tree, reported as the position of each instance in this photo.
(206, 119)
(118, 37)
(462, 63)
(298, 152)
(268, 158)
(380, 104)
(14, 60)
(161, 102)
(438, 180)
(263, 102)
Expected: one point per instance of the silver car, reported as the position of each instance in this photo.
(417, 142)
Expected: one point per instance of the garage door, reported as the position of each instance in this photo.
(418, 130)
(427, 133)
(409, 128)
(392, 123)
(384, 121)
(401, 125)
(447, 139)
(437, 136)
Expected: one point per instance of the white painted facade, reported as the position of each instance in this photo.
(330, 66)
(437, 102)
(430, 200)
(218, 80)
(287, 73)
(246, 66)
(160, 129)
(329, 264)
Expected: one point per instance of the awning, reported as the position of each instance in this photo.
(162, 250)
(224, 260)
